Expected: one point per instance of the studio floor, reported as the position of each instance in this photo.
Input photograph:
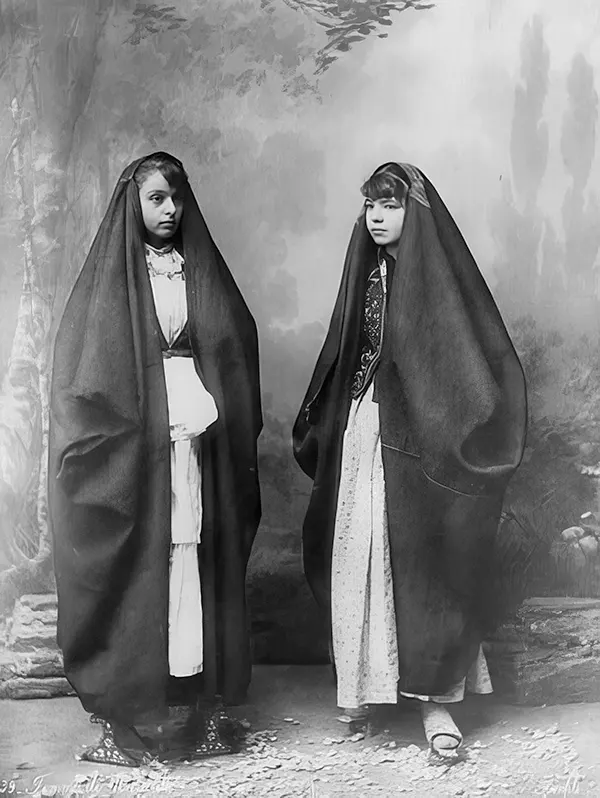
(297, 747)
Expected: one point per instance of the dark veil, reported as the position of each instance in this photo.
(109, 466)
(453, 412)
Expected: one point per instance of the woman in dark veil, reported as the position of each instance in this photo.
(413, 424)
(153, 484)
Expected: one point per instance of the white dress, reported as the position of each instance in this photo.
(191, 411)
(363, 612)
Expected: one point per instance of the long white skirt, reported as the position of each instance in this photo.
(185, 596)
(364, 633)
(191, 411)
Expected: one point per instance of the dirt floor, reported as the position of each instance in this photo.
(296, 747)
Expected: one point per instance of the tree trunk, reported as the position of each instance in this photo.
(63, 62)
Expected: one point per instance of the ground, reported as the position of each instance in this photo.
(296, 747)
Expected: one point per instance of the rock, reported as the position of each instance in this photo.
(33, 623)
(31, 664)
(572, 533)
(543, 656)
(589, 544)
(19, 688)
(45, 663)
(590, 526)
(40, 602)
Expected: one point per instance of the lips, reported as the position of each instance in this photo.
(167, 224)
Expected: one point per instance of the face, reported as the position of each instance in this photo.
(162, 208)
(384, 219)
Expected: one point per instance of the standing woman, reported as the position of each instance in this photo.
(411, 428)
(153, 485)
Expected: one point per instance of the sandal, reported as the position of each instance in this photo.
(107, 752)
(357, 719)
(442, 734)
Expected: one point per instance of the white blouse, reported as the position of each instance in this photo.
(191, 408)
(165, 267)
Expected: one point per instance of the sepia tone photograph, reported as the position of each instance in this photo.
(299, 398)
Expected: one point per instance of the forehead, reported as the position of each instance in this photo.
(156, 182)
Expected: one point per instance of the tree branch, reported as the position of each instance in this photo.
(350, 22)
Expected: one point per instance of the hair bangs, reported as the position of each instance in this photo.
(385, 185)
(172, 171)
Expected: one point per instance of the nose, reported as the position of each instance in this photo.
(376, 214)
(170, 206)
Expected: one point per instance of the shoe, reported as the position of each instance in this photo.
(108, 752)
(211, 732)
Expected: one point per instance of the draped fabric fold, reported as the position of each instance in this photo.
(109, 467)
(452, 413)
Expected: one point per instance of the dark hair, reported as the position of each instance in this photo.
(170, 168)
(385, 183)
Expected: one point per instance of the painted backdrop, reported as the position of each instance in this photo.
(279, 110)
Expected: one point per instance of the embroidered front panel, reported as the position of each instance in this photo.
(165, 262)
(372, 330)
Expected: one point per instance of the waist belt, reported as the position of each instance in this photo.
(177, 353)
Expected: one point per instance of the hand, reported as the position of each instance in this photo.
(182, 432)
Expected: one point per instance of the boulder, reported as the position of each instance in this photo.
(33, 624)
(549, 653)
(31, 664)
(42, 664)
(19, 688)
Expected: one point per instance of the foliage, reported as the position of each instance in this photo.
(548, 285)
(149, 19)
(549, 492)
(221, 83)
(543, 275)
(578, 145)
(349, 22)
(517, 223)
(529, 134)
